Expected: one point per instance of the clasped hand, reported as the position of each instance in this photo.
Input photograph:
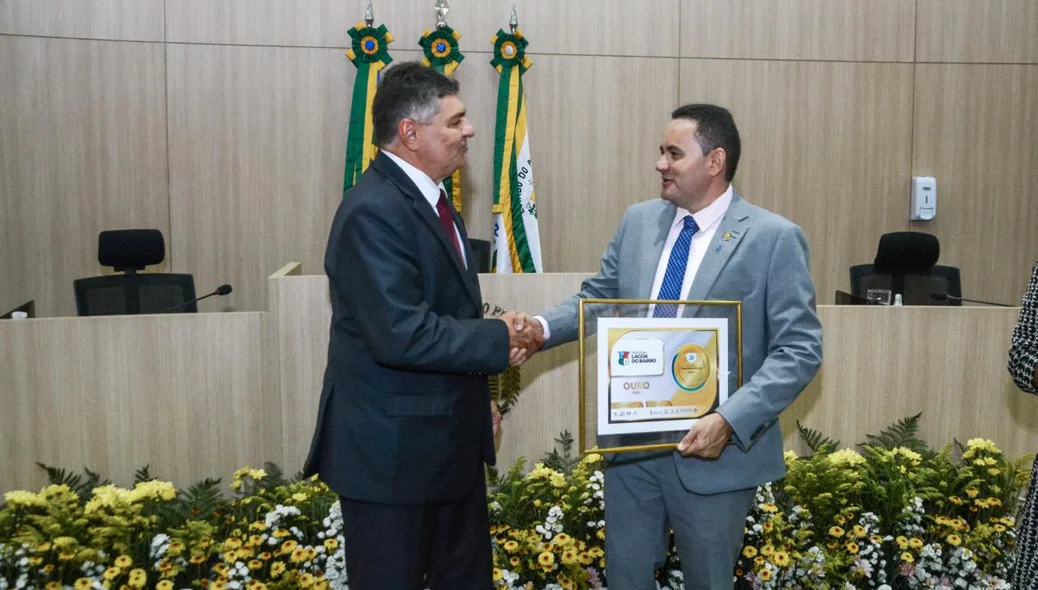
(525, 336)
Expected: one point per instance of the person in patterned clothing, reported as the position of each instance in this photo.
(1023, 366)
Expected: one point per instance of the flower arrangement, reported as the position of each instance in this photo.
(895, 515)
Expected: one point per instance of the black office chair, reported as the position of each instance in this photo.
(480, 254)
(128, 251)
(906, 263)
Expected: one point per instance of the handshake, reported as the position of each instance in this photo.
(525, 336)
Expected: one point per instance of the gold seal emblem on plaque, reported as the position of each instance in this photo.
(691, 367)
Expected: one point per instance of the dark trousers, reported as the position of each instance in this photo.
(439, 545)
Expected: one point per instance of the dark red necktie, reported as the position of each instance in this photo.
(447, 221)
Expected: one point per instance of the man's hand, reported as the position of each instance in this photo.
(707, 438)
(530, 333)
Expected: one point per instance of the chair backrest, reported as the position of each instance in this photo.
(134, 294)
(906, 263)
(480, 255)
(914, 286)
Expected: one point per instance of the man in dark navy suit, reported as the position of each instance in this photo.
(404, 425)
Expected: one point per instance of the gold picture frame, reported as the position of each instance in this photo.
(582, 370)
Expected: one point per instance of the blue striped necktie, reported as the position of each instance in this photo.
(675, 274)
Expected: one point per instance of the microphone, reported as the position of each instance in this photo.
(221, 291)
(946, 297)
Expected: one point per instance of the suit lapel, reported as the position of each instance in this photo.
(383, 164)
(729, 235)
(647, 269)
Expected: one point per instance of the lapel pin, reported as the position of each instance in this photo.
(718, 248)
(727, 236)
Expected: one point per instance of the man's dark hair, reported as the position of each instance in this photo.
(715, 128)
(408, 91)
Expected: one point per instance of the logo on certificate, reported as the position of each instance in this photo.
(691, 367)
(638, 357)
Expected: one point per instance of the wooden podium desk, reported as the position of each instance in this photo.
(200, 395)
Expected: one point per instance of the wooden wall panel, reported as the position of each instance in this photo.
(884, 364)
(183, 394)
(257, 144)
(82, 149)
(976, 131)
(985, 31)
(595, 128)
(825, 144)
(127, 20)
(586, 27)
(847, 30)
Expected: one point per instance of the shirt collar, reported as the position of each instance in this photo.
(708, 215)
(429, 189)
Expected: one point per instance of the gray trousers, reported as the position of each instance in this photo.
(641, 497)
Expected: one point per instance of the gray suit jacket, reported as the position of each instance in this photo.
(764, 263)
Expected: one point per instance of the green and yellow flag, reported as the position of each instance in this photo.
(441, 52)
(370, 54)
(517, 242)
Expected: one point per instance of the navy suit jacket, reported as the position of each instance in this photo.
(404, 416)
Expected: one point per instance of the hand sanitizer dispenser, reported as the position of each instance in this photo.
(924, 198)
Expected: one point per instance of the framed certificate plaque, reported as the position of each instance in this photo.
(647, 380)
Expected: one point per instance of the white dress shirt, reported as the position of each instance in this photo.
(429, 189)
(708, 220)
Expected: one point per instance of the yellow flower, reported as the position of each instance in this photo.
(497, 574)
(123, 561)
(24, 499)
(546, 559)
(765, 575)
(306, 580)
(955, 540)
(85, 584)
(993, 471)
(112, 573)
(769, 508)
(846, 457)
(852, 548)
(53, 586)
(972, 492)
(876, 539)
(758, 561)
(255, 564)
(999, 528)
(767, 527)
(781, 559)
(514, 561)
(197, 559)
(299, 555)
(511, 546)
(907, 557)
(858, 530)
(557, 480)
(561, 539)
(164, 585)
(956, 500)
(836, 531)
(257, 585)
(902, 541)
(593, 458)
(915, 543)
(299, 497)
(289, 546)
(749, 551)
(276, 569)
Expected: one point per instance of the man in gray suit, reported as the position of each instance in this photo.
(702, 241)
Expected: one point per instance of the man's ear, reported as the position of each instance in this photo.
(717, 161)
(407, 133)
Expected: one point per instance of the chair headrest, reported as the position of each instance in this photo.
(907, 250)
(130, 248)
